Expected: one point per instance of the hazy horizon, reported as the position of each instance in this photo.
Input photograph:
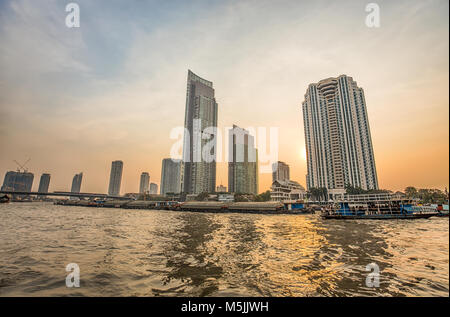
(76, 99)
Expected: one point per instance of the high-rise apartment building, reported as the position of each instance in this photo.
(337, 135)
(198, 173)
(280, 171)
(115, 178)
(144, 183)
(242, 162)
(170, 176)
(153, 188)
(44, 183)
(76, 183)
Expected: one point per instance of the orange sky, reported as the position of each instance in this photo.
(86, 97)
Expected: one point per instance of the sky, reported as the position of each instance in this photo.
(76, 99)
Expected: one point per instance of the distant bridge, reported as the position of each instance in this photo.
(65, 194)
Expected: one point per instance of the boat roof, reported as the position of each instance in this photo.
(373, 198)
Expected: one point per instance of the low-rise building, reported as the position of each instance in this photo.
(221, 189)
(282, 190)
(191, 197)
(225, 198)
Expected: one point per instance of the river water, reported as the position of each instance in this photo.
(165, 253)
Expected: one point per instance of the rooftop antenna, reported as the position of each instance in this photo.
(22, 167)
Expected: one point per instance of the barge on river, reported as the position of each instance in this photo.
(375, 206)
(269, 207)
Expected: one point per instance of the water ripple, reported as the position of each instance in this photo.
(162, 253)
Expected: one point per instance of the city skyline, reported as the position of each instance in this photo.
(88, 110)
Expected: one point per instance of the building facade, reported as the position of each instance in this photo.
(18, 181)
(283, 190)
(76, 183)
(198, 174)
(226, 198)
(221, 189)
(170, 176)
(144, 183)
(280, 171)
(242, 162)
(153, 189)
(115, 178)
(44, 183)
(339, 147)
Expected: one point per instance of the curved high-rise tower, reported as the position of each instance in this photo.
(339, 147)
(115, 178)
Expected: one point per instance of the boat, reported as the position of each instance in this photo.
(377, 207)
(442, 210)
(299, 207)
(220, 207)
(267, 207)
(4, 199)
(381, 216)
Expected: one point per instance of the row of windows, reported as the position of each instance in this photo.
(315, 112)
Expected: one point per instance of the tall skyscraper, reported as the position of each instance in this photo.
(337, 135)
(153, 188)
(280, 171)
(144, 183)
(199, 174)
(76, 183)
(115, 178)
(170, 176)
(242, 162)
(18, 181)
(44, 183)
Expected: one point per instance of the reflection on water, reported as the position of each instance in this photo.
(161, 253)
(186, 257)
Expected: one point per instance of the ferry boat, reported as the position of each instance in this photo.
(442, 209)
(375, 206)
(298, 207)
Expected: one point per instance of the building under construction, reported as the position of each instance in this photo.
(18, 181)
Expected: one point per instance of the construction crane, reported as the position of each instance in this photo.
(22, 167)
(18, 182)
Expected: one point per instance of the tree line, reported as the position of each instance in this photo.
(426, 195)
